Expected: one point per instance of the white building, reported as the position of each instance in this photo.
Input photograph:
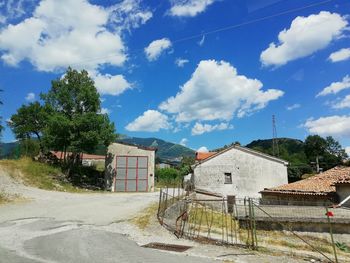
(129, 168)
(239, 171)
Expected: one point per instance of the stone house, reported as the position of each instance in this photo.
(238, 171)
(331, 186)
(129, 168)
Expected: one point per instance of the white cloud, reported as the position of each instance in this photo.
(347, 150)
(150, 121)
(105, 111)
(305, 36)
(336, 87)
(340, 55)
(14, 9)
(183, 142)
(203, 149)
(344, 103)
(337, 126)
(200, 128)
(30, 97)
(216, 92)
(156, 48)
(180, 62)
(189, 8)
(294, 106)
(56, 36)
(107, 84)
(129, 14)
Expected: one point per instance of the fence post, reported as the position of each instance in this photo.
(251, 221)
(254, 226)
(328, 214)
(160, 202)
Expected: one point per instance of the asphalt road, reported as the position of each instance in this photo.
(64, 227)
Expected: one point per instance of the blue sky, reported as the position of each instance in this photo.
(200, 72)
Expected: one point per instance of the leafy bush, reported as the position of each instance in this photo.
(167, 177)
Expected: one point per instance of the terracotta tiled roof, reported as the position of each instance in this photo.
(201, 155)
(344, 180)
(86, 156)
(321, 184)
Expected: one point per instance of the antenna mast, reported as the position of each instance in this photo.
(275, 150)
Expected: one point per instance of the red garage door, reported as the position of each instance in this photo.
(131, 174)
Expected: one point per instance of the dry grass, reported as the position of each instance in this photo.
(6, 198)
(266, 239)
(143, 220)
(38, 175)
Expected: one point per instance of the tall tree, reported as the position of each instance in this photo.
(334, 148)
(29, 121)
(315, 147)
(76, 123)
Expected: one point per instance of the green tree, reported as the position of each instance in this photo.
(29, 121)
(315, 147)
(76, 123)
(185, 165)
(334, 148)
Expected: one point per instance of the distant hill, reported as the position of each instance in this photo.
(166, 150)
(290, 149)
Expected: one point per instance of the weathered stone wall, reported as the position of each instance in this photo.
(317, 226)
(250, 174)
(118, 149)
(300, 200)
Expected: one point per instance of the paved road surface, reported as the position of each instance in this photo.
(63, 227)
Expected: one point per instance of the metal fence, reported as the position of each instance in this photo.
(252, 223)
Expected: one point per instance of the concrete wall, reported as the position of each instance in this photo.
(251, 173)
(343, 191)
(118, 149)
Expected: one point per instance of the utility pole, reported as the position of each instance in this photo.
(275, 149)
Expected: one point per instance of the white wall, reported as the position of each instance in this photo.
(343, 191)
(251, 173)
(118, 149)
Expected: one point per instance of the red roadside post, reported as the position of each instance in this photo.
(330, 214)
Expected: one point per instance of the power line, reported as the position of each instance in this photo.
(251, 21)
(221, 29)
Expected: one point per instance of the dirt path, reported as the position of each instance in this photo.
(95, 227)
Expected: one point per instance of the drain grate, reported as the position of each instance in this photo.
(169, 247)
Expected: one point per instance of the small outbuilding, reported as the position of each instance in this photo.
(238, 171)
(332, 186)
(129, 168)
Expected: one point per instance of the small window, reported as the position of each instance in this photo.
(228, 178)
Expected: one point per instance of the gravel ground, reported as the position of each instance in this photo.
(96, 227)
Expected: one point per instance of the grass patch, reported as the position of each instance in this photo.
(4, 198)
(40, 175)
(143, 220)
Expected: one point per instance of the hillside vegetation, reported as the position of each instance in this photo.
(38, 175)
(297, 153)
